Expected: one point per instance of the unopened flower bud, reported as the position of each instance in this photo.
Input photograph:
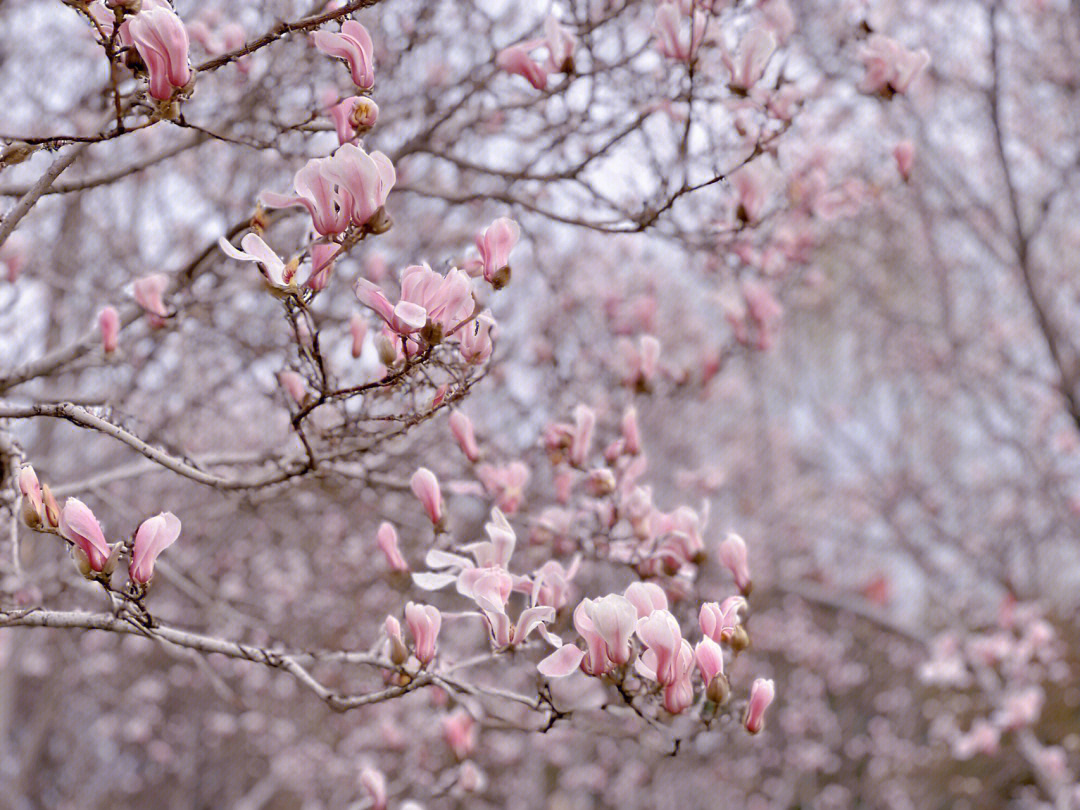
(386, 350)
(740, 639)
(718, 690)
(380, 222)
(600, 482)
(51, 508)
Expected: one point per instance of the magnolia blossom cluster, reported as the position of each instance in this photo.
(95, 557)
(1009, 668)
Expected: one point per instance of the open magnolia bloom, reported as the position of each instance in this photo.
(276, 272)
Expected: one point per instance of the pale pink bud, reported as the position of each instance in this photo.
(581, 442)
(646, 597)
(904, 154)
(162, 41)
(424, 622)
(30, 488)
(459, 731)
(462, 428)
(149, 291)
(294, 384)
(495, 245)
(398, 652)
(710, 659)
(374, 783)
(109, 323)
(387, 540)
(515, 59)
(353, 45)
(153, 536)
(78, 524)
(630, 432)
(762, 693)
(734, 558)
(426, 488)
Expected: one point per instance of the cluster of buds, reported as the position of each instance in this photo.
(95, 557)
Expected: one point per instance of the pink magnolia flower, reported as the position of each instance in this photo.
(733, 556)
(476, 342)
(148, 293)
(507, 484)
(462, 429)
(317, 191)
(424, 622)
(751, 191)
(387, 540)
(109, 324)
(353, 45)
(710, 659)
(374, 783)
(515, 59)
(255, 249)
(358, 330)
(719, 621)
(459, 731)
(607, 625)
(353, 116)
(646, 597)
(762, 692)
(754, 52)
(404, 318)
(78, 525)
(904, 154)
(153, 536)
(678, 33)
(162, 41)
(679, 694)
(294, 384)
(447, 300)
(365, 179)
(425, 486)
(890, 67)
(323, 256)
(659, 632)
(495, 245)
